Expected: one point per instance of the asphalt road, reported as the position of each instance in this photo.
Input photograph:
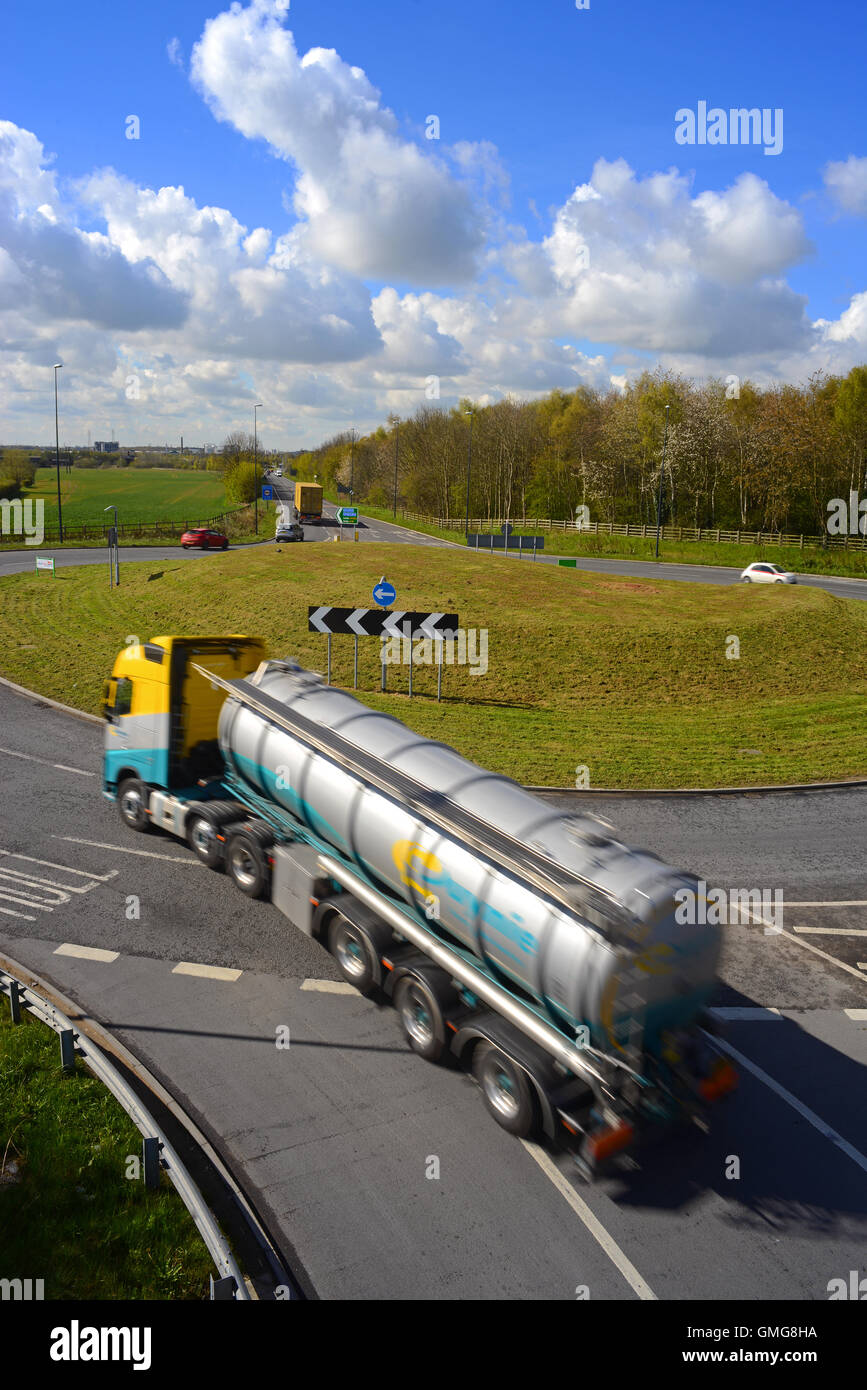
(334, 1137)
(13, 561)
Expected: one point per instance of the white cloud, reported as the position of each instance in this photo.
(371, 202)
(846, 181)
(175, 53)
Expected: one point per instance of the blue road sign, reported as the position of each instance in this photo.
(267, 493)
(384, 593)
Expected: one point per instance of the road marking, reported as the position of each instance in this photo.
(28, 757)
(124, 849)
(745, 1015)
(804, 1110)
(848, 902)
(329, 986)
(856, 1015)
(832, 931)
(207, 972)
(27, 889)
(832, 960)
(25, 916)
(86, 952)
(594, 1226)
(861, 964)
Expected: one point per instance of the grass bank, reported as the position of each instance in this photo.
(629, 678)
(68, 1213)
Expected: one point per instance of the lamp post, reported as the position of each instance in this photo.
(57, 367)
(256, 464)
(661, 479)
(352, 463)
(471, 413)
(396, 437)
(113, 549)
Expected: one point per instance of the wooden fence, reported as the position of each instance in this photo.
(637, 529)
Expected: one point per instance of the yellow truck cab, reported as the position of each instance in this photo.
(161, 715)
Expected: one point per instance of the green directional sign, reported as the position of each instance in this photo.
(347, 516)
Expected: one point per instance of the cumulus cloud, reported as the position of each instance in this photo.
(371, 202)
(52, 268)
(846, 181)
(644, 264)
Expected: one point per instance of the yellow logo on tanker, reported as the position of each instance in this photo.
(656, 960)
(407, 854)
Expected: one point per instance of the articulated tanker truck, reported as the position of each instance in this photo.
(528, 943)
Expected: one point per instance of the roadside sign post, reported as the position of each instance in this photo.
(385, 624)
(113, 549)
(267, 493)
(476, 540)
(45, 562)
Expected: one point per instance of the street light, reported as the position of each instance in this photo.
(352, 463)
(57, 367)
(471, 413)
(256, 464)
(661, 480)
(396, 437)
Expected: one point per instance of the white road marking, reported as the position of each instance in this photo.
(847, 902)
(594, 1226)
(861, 964)
(28, 889)
(7, 912)
(832, 931)
(329, 986)
(832, 960)
(810, 1115)
(28, 757)
(86, 952)
(856, 1015)
(207, 972)
(64, 868)
(124, 849)
(751, 1015)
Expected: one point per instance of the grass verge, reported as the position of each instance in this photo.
(810, 560)
(629, 678)
(68, 1213)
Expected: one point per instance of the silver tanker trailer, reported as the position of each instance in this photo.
(527, 942)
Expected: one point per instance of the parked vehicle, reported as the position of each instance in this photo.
(204, 538)
(547, 956)
(761, 572)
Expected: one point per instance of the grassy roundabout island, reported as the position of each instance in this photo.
(636, 680)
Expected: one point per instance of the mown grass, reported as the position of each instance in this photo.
(69, 1215)
(809, 560)
(627, 677)
(140, 494)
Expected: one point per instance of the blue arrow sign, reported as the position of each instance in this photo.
(384, 593)
(346, 516)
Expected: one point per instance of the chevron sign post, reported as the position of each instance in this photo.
(381, 622)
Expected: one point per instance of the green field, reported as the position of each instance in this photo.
(140, 494)
(68, 1212)
(627, 677)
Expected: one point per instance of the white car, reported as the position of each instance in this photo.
(760, 572)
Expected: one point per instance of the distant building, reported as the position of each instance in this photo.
(106, 446)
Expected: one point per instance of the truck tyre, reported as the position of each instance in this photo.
(248, 863)
(132, 803)
(420, 1001)
(202, 839)
(506, 1090)
(354, 952)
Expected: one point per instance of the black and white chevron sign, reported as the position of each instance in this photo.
(380, 622)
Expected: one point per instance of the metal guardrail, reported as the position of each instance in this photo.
(158, 1150)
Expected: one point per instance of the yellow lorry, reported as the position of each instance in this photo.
(308, 503)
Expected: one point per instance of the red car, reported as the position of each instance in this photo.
(207, 540)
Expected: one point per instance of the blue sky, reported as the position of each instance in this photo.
(535, 96)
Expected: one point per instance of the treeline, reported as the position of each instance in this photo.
(737, 455)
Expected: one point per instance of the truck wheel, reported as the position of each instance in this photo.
(354, 952)
(202, 839)
(505, 1089)
(132, 803)
(248, 864)
(420, 1004)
